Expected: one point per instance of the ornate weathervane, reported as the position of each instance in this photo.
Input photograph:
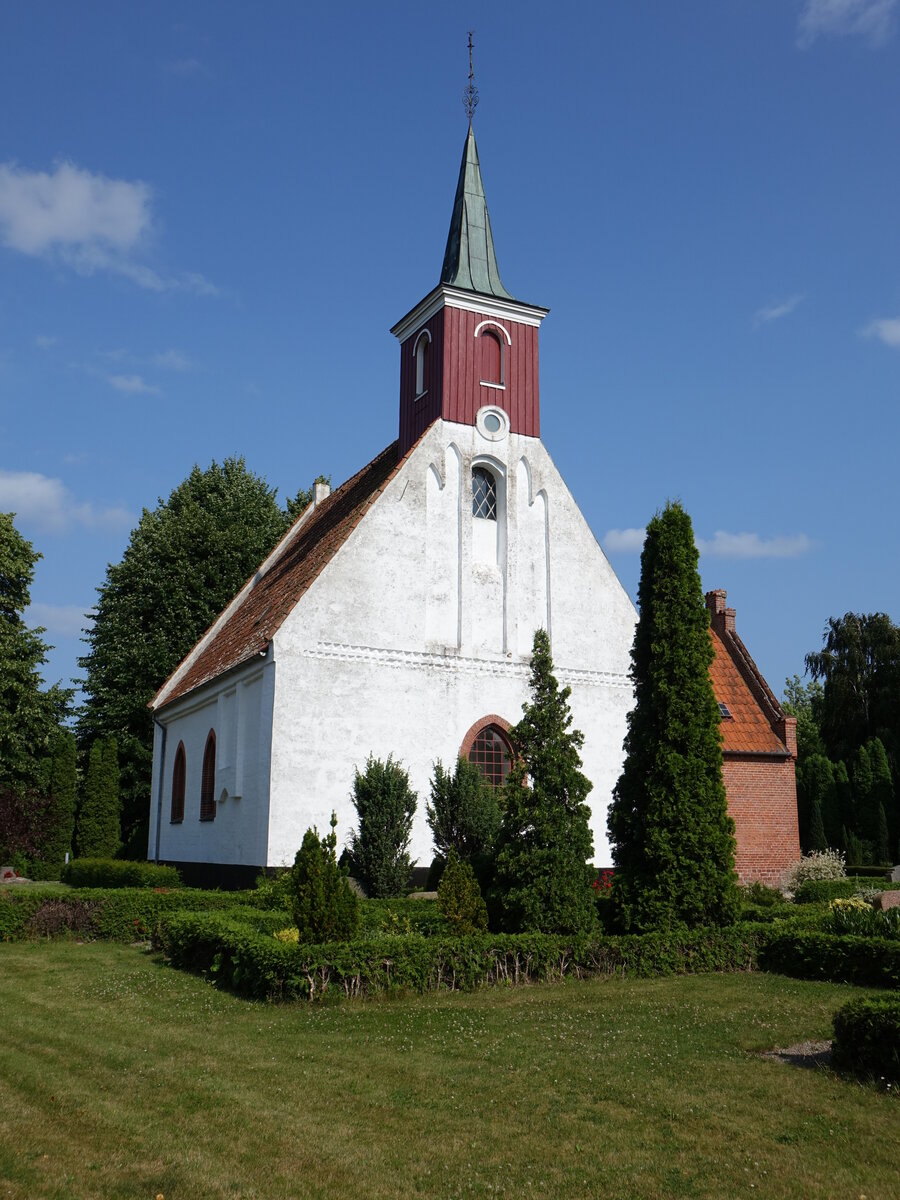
(470, 91)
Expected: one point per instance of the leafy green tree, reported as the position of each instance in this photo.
(463, 814)
(30, 715)
(97, 828)
(672, 836)
(542, 873)
(379, 849)
(803, 701)
(882, 853)
(859, 666)
(324, 906)
(299, 503)
(459, 898)
(184, 562)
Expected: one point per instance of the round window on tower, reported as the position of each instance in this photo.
(492, 423)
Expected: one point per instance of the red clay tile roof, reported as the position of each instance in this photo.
(738, 684)
(239, 635)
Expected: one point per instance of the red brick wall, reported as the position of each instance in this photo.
(762, 800)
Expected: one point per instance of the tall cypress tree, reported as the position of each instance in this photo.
(673, 840)
(865, 817)
(544, 844)
(97, 833)
(882, 788)
(62, 785)
(815, 790)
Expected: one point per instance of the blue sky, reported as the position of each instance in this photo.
(211, 214)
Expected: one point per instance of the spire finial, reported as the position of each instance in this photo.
(470, 92)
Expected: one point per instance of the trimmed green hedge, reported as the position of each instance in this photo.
(867, 1037)
(818, 891)
(839, 958)
(116, 873)
(121, 915)
(400, 916)
(241, 957)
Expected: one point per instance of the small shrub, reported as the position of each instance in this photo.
(115, 873)
(760, 895)
(459, 898)
(274, 893)
(324, 906)
(823, 891)
(435, 871)
(463, 814)
(55, 917)
(820, 865)
(290, 936)
(867, 1037)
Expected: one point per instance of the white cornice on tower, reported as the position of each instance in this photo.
(448, 297)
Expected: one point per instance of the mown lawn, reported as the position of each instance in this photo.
(120, 1078)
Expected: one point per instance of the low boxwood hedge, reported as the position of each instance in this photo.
(117, 873)
(867, 1037)
(820, 891)
(240, 956)
(121, 915)
(839, 958)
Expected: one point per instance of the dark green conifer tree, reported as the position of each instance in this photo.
(463, 813)
(882, 839)
(97, 828)
(815, 790)
(817, 839)
(544, 845)
(673, 840)
(324, 906)
(865, 814)
(62, 789)
(843, 799)
(379, 849)
(882, 786)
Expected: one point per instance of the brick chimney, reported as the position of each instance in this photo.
(721, 618)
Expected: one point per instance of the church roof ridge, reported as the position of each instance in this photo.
(470, 260)
(245, 628)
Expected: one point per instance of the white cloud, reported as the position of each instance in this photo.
(186, 67)
(870, 19)
(88, 222)
(720, 545)
(774, 312)
(65, 620)
(43, 342)
(172, 360)
(886, 329)
(48, 506)
(751, 545)
(132, 385)
(624, 541)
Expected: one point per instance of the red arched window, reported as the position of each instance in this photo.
(179, 773)
(208, 780)
(491, 358)
(491, 752)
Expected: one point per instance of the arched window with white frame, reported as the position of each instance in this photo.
(421, 353)
(494, 342)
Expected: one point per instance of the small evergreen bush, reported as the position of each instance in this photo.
(324, 906)
(867, 1037)
(821, 891)
(459, 898)
(760, 895)
(463, 813)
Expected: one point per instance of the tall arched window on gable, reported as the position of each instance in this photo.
(208, 780)
(484, 494)
(491, 358)
(492, 754)
(179, 774)
(423, 342)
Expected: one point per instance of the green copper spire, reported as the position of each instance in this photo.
(469, 260)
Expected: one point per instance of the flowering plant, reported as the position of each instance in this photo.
(603, 883)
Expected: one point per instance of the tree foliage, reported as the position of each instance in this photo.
(62, 799)
(463, 813)
(184, 562)
(97, 831)
(379, 849)
(673, 840)
(30, 715)
(542, 876)
(459, 898)
(859, 666)
(324, 906)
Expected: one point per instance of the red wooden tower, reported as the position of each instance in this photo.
(468, 344)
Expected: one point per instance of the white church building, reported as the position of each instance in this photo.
(397, 614)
